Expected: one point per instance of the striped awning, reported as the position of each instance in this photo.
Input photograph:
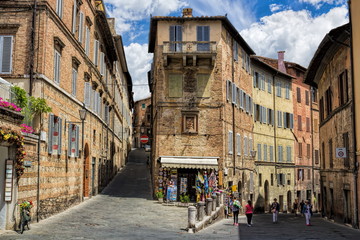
(189, 162)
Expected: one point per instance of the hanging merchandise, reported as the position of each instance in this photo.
(201, 178)
(183, 185)
(206, 183)
(171, 192)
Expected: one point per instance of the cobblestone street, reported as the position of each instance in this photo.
(126, 210)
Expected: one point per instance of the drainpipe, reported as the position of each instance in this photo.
(275, 145)
(312, 141)
(233, 109)
(38, 175)
(32, 48)
(353, 122)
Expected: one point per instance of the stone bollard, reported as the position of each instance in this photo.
(201, 210)
(208, 206)
(218, 195)
(191, 216)
(214, 202)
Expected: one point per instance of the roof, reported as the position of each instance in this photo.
(228, 25)
(331, 43)
(274, 62)
(259, 60)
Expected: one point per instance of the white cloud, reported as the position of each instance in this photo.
(139, 63)
(318, 3)
(296, 32)
(128, 12)
(275, 7)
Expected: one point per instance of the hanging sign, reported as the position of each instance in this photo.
(8, 180)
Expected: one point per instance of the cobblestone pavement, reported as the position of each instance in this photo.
(126, 210)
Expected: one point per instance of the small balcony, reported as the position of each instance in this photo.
(189, 50)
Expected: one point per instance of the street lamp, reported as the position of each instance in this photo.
(82, 113)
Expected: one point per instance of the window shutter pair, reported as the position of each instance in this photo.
(73, 141)
(55, 131)
(176, 36)
(6, 54)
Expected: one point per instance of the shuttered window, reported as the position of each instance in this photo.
(278, 89)
(73, 141)
(230, 142)
(57, 65)
(265, 152)
(245, 146)
(87, 93)
(6, 45)
(74, 81)
(233, 93)
(259, 152)
(279, 119)
(175, 38)
(280, 154)
(269, 84)
(298, 95)
(287, 91)
(74, 22)
(299, 123)
(271, 150)
(238, 143)
(59, 7)
(102, 64)
(235, 50)
(96, 52)
(81, 27)
(87, 40)
(54, 134)
(288, 154)
(203, 35)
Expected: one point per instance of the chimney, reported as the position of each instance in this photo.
(281, 64)
(187, 12)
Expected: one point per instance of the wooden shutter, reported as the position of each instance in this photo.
(74, 16)
(69, 139)
(81, 27)
(230, 139)
(203, 85)
(265, 152)
(50, 132)
(269, 85)
(291, 120)
(87, 94)
(6, 54)
(57, 65)
(60, 136)
(259, 151)
(59, 7)
(285, 122)
(87, 40)
(298, 95)
(77, 141)
(271, 149)
(288, 154)
(102, 63)
(74, 81)
(96, 52)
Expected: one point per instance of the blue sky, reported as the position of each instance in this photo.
(296, 26)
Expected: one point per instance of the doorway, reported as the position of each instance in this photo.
(289, 200)
(347, 207)
(281, 202)
(266, 196)
(86, 172)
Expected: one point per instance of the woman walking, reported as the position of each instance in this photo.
(307, 212)
(249, 212)
(235, 209)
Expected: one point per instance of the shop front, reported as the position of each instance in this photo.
(191, 178)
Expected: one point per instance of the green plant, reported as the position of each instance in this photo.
(159, 194)
(20, 96)
(184, 198)
(39, 105)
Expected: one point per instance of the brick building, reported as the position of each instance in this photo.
(68, 53)
(273, 138)
(330, 71)
(202, 105)
(141, 121)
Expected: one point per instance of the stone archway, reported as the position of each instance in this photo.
(266, 196)
(86, 171)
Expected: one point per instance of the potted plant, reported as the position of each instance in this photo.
(184, 199)
(160, 196)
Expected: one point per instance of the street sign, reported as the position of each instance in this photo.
(144, 139)
(340, 152)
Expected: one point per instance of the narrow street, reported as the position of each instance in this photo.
(126, 210)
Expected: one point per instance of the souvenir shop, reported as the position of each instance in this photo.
(195, 177)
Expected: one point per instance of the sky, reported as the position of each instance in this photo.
(268, 26)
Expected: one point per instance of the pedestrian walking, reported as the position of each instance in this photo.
(249, 212)
(308, 212)
(275, 208)
(235, 209)
(295, 207)
(302, 204)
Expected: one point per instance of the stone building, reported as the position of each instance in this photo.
(306, 132)
(202, 105)
(141, 121)
(354, 7)
(273, 137)
(330, 71)
(68, 53)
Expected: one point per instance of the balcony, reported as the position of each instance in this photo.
(189, 50)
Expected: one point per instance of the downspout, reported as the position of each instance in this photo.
(38, 175)
(233, 108)
(356, 220)
(312, 142)
(32, 48)
(275, 144)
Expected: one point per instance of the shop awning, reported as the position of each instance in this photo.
(189, 162)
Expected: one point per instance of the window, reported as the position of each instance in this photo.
(288, 120)
(143, 106)
(271, 150)
(323, 155)
(322, 117)
(308, 150)
(300, 174)
(203, 35)
(265, 152)
(175, 85)
(75, 12)
(54, 135)
(331, 159)
(288, 154)
(281, 179)
(256, 79)
(259, 152)
(102, 64)
(299, 123)
(269, 84)
(81, 27)
(106, 114)
(238, 143)
(300, 150)
(6, 54)
(245, 146)
(235, 50)
(175, 38)
(280, 154)
(57, 65)
(272, 179)
(316, 156)
(241, 99)
(87, 94)
(203, 85)
(287, 91)
(307, 101)
(308, 175)
(260, 179)
(328, 101)
(313, 94)
(278, 89)
(346, 145)
(279, 118)
(298, 95)
(74, 81)
(96, 52)
(308, 124)
(87, 40)
(59, 7)
(343, 88)
(230, 142)
(73, 141)
(228, 90)
(250, 145)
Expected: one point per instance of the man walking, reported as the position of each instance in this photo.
(275, 208)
